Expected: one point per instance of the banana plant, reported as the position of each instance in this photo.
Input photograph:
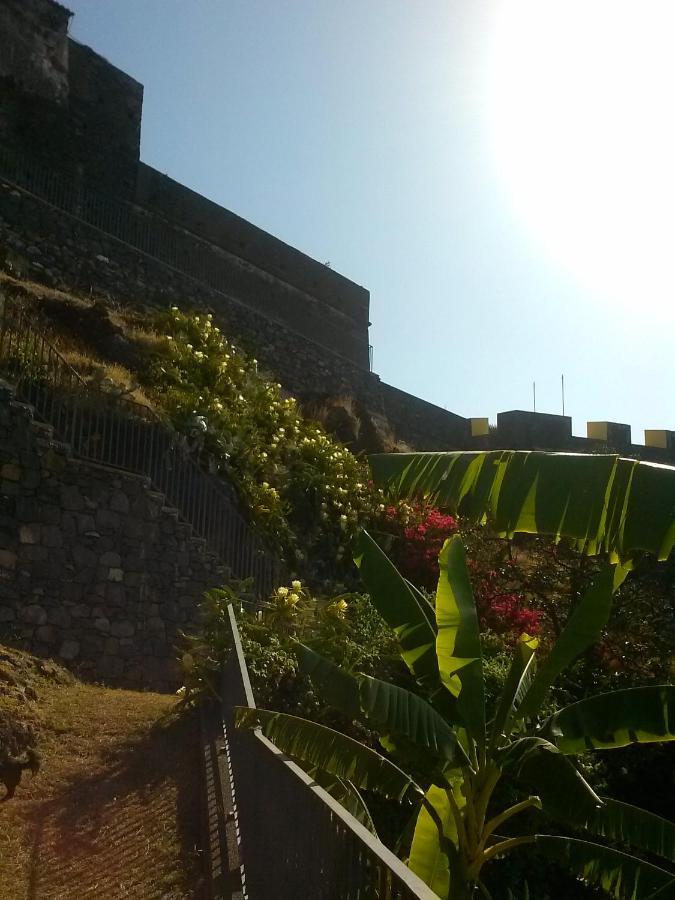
(466, 750)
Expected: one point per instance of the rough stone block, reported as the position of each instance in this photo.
(29, 534)
(10, 472)
(83, 556)
(34, 614)
(81, 611)
(119, 502)
(102, 625)
(85, 523)
(116, 575)
(110, 559)
(46, 633)
(7, 559)
(34, 553)
(52, 536)
(71, 498)
(111, 646)
(7, 614)
(122, 629)
(105, 518)
(109, 666)
(69, 649)
(58, 616)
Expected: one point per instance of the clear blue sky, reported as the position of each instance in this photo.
(367, 133)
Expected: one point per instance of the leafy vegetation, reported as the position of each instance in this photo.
(309, 493)
(469, 748)
(476, 751)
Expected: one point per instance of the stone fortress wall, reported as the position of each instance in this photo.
(79, 210)
(94, 567)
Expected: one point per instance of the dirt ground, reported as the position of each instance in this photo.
(114, 811)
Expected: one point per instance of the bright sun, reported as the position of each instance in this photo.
(581, 116)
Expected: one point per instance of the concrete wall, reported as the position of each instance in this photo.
(94, 569)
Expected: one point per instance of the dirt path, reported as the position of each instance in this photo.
(114, 811)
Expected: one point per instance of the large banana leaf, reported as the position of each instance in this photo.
(411, 618)
(601, 503)
(338, 688)
(346, 795)
(330, 751)
(581, 631)
(389, 709)
(564, 792)
(458, 647)
(518, 681)
(622, 876)
(434, 845)
(634, 826)
(640, 715)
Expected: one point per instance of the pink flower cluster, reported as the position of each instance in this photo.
(421, 531)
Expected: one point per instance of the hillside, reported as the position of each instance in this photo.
(114, 810)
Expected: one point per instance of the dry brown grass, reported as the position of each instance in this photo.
(115, 809)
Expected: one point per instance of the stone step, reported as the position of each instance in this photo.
(43, 429)
(47, 443)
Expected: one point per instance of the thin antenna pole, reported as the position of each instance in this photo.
(534, 396)
(562, 386)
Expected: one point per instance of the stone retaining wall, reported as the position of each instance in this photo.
(94, 568)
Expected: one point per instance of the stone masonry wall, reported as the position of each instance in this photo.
(52, 247)
(94, 568)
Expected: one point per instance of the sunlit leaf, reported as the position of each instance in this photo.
(330, 751)
(631, 825)
(458, 643)
(411, 619)
(564, 792)
(620, 875)
(600, 502)
(581, 631)
(632, 716)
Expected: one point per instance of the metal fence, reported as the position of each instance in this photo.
(295, 840)
(121, 219)
(116, 431)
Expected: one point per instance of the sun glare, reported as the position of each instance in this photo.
(582, 131)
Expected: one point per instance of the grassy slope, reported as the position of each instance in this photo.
(115, 810)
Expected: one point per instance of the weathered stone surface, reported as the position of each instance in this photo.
(7, 559)
(110, 559)
(122, 629)
(11, 472)
(34, 614)
(71, 498)
(90, 581)
(69, 650)
(119, 502)
(30, 534)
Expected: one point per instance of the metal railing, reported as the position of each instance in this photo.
(294, 839)
(116, 431)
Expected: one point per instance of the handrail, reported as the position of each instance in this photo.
(296, 840)
(119, 432)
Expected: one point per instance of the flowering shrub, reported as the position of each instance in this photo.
(419, 531)
(307, 492)
(501, 609)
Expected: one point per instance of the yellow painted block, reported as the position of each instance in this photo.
(479, 427)
(655, 437)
